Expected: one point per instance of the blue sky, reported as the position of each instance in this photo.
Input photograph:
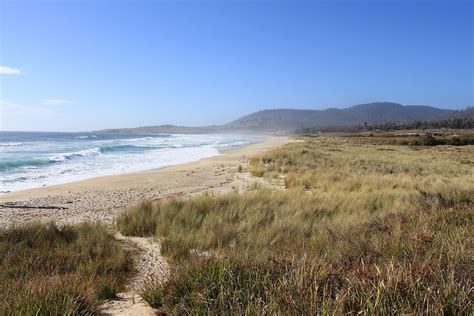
(84, 65)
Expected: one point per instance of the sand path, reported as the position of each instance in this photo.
(151, 268)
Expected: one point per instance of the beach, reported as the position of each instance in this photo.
(102, 198)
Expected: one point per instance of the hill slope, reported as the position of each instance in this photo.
(288, 120)
(372, 113)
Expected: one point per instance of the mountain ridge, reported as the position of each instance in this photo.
(288, 120)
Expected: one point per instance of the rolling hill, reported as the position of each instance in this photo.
(372, 113)
(288, 120)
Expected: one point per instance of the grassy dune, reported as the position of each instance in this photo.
(45, 270)
(360, 227)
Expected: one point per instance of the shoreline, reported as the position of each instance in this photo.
(102, 198)
(25, 168)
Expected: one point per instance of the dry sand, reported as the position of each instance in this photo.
(103, 198)
(151, 268)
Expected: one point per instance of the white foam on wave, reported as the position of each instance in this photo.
(81, 153)
(11, 144)
(178, 150)
(138, 139)
(86, 136)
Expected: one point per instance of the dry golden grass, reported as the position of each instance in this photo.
(361, 228)
(371, 177)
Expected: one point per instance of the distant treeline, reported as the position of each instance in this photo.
(464, 120)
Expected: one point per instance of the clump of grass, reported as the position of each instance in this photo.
(138, 221)
(240, 169)
(361, 228)
(256, 167)
(45, 269)
(153, 295)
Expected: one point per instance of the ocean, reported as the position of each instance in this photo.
(35, 159)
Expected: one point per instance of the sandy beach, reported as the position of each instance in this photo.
(103, 198)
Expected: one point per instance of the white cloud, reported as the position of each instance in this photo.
(56, 102)
(7, 105)
(9, 71)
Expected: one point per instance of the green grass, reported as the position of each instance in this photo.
(457, 138)
(49, 270)
(360, 228)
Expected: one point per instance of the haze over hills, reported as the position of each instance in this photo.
(372, 113)
(288, 120)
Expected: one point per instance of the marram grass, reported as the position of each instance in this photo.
(47, 270)
(361, 228)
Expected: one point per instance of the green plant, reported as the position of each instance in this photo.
(46, 269)
(138, 221)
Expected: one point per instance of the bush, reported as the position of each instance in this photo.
(428, 140)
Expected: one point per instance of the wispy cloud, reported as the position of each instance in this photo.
(9, 71)
(14, 116)
(56, 102)
(7, 105)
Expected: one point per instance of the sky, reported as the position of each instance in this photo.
(87, 65)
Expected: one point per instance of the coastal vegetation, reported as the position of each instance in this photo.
(51, 270)
(342, 225)
(415, 139)
(350, 226)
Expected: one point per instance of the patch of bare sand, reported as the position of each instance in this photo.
(151, 268)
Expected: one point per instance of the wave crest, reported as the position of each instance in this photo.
(81, 153)
(86, 136)
(11, 144)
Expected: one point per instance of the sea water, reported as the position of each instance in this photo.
(34, 159)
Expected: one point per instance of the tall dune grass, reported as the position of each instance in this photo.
(374, 229)
(46, 270)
